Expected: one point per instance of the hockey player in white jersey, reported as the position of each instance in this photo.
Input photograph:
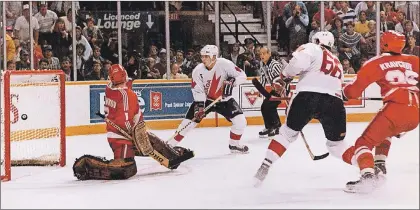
(318, 96)
(212, 78)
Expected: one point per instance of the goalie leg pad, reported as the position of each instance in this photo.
(141, 138)
(97, 168)
(176, 155)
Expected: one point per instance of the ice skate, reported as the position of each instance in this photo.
(264, 133)
(366, 184)
(261, 174)
(380, 169)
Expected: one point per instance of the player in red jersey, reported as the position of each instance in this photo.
(122, 110)
(397, 75)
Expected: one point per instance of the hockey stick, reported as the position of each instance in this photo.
(314, 157)
(154, 154)
(371, 99)
(189, 123)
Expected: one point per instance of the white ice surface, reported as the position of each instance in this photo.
(216, 179)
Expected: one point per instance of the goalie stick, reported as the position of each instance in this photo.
(153, 153)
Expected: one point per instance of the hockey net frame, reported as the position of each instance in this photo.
(45, 160)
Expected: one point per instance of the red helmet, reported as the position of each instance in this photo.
(117, 74)
(392, 41)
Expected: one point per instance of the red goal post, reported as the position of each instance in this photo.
(33, 119)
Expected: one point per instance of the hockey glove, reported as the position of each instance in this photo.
(199, 112)
(228, 86)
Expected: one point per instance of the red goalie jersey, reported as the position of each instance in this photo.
(121, 107)
(397, 76)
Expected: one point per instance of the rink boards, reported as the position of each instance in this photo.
(165, 102)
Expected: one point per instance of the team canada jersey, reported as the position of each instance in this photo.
(396, 75)
(319, 70)
(122, 108)
(207, 84)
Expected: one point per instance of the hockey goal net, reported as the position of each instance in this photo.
(32, 119)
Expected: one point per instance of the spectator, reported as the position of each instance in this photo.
(385, 25)
(96, 56)
(409, 31)
(66, 67)
(80, 39)
(233, 55)
(106, 66)
(10, 44)
(411, 48)
(390, 14)
(132, 66)
(43, 64)
(247, 61)
(361, 26)
(61, 40)
(22, 28)
(153, 52)
(80, 62)
(370, 11)
(92, 33)
(400, 26)
(179, 58)
(188, 65)
(329, 16)
(336, 7)
(46, 20)
(62, 7)
(11, 65)
(161, 66)
(349, 45)
(361, 6)
(291, 6)
(297, 24)
(68, 21)
(97, 73)
(175, 73)
(363, 60)
(109, 48)
(24, 62)
(151, 72)
(369, 48)
(13, 10)
(346, 13)
(410, 8)
(53, 62)
(337, 29)
(315, 28)
(347, 69)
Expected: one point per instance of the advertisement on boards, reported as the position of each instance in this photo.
(157, 101)
(251, 100)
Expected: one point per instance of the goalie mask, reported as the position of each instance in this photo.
(117, 74)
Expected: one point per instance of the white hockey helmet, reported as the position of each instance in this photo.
(325, 38)
(210, 50)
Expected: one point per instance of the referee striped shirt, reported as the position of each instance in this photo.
(270, 71)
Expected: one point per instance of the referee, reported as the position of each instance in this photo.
(269, 70)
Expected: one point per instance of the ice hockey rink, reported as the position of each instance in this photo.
(217, 179)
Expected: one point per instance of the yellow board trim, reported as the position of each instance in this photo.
(173, 124)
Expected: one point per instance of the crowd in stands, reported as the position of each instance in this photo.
(294, 23)
(353, 24)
